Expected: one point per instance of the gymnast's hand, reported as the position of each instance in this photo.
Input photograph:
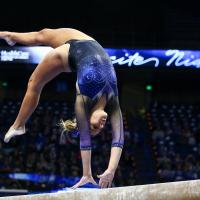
(5, 36)
(84, 180)
(106, 179)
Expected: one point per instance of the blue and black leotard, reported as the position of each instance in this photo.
(95, 77)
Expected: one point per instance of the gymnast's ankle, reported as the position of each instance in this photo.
(18, 126)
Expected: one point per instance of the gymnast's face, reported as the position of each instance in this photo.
(97, 121)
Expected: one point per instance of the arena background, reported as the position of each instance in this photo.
(160, 107)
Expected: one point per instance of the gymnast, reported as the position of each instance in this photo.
(96, 91)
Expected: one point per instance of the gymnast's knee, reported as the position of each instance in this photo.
(42, 35)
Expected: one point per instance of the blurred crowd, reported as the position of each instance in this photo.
(175, 140)
(43, 150)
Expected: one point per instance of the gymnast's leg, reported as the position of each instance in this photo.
(52, 65)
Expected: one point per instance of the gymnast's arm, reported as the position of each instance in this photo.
(81, 110)
(46, 36)
(117, 143)
(117, 135)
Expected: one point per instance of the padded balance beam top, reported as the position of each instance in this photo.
(182, 190)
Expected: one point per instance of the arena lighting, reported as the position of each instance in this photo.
(149, 87)
(132, 58)
(4, 84)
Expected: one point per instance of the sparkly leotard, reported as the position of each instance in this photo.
(96, 74)
(95, 77)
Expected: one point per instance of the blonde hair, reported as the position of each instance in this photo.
(68, 125)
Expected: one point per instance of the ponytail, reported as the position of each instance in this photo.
(69, 125)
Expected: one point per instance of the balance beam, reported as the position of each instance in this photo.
(182, 190)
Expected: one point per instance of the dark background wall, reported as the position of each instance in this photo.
(157, 24)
